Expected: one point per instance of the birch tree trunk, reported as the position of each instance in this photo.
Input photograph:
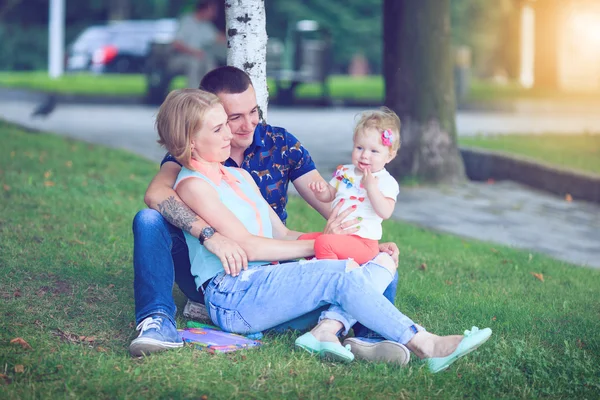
(247, 43)
(418, 70)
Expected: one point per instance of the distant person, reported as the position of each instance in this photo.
(196, 42)
(364, 185)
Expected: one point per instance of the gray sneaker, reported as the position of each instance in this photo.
(376, 350)
(196, 311)
(157, 333)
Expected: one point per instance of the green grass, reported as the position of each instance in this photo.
(369, 88)
(341, 87)
(578, 152)
(66, 289)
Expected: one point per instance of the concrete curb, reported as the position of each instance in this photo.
(482, 165)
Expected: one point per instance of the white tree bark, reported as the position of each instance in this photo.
(247, 43)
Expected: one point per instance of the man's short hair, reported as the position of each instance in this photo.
(204, 4)
(228, 79)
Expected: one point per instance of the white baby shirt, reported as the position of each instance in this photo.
(348, 185)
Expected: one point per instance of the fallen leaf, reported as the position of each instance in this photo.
(6, 187)
(79, 242)
(49, 183)
(101, 349)
(22, 342)
(117, 368)
(448, 282)
(110, 286)
(19, 369)
(539, 277)
(423, 267)
(293, 373)
(494, 318)
(47, 174)
(568, 198)
(331, 379)
(59, 366)
(88, 339)
(5, 379)
(69, 164)
(66, 336)
(17, 293)
(204, 397)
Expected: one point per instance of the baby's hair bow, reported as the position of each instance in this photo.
(387, 137)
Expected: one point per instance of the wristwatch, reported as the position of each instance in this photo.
(206, 233)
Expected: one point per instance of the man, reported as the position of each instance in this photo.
(274, 158)
(195, 43)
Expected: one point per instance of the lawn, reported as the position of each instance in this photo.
(341, 87)
(367, 88)
(578, 152)
(66, 289)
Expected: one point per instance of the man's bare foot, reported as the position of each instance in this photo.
(428, 345)
(326, 331)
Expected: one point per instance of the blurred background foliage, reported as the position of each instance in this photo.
(355, 26)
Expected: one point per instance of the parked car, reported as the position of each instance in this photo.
(120, 47)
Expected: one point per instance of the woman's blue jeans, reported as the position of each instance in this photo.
(160, 258)
(266, 296)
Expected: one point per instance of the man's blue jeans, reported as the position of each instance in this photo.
(160, 258)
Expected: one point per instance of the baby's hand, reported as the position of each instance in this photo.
(318, 186)
(369, 181)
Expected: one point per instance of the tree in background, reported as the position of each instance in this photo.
(247, 43)
(419, 88)
(546, 43)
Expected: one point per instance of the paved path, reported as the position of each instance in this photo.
(504, 213)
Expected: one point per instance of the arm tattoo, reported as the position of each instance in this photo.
(177, 213)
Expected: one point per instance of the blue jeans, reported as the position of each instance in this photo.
(160, 258)
(266, 296)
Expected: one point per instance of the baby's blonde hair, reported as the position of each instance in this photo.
(179, 117)
(381, 120)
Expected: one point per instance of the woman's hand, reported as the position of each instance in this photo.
(232, 256)
(391, 249)
(336, 225)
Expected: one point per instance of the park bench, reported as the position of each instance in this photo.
(304, 57)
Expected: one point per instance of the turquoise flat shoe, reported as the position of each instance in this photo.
(327, 350)
(472, 340)
(309, 343)
(336, 352)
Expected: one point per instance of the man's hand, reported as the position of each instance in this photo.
(391, 249)
(232, 256)
(336, 225)
(369, 181)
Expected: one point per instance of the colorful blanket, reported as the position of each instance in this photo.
(214, 340)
